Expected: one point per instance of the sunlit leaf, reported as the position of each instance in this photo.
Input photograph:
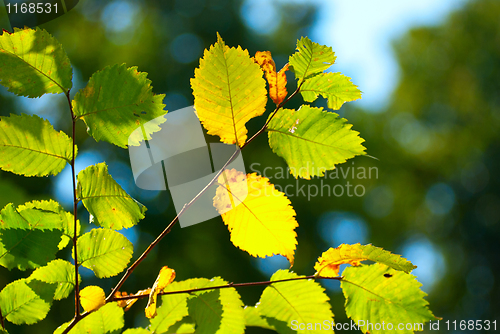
(304, 301)
(329, 262)
(67, 219)
(59, 272)
(33, 63)
(105, 252)
(21, 305)
(263, 222)
(92, 298)
(254, 319)
(312, 140)
(310, 59)
(228, 91)
(136, 331)
(165, 277)
(116, 101)
(28, 237)
(214, 311)
(276, 80)
(376, 293)
(30, 146)
(335, 87)
(107, 319)
(109, 205)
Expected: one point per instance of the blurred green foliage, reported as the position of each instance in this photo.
(437, 143)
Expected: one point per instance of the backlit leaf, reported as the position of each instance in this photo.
(92, 298)
(107, 319)
(310, 59)
(276, 80)
(329, 262)
(304, 301)
(254, 319)
(376, 293)
(109, 205)
(165, 277)
(214, 311)
(335, 87)
(116, 101)
(67, 219)
(33, 63)
(228, 91)
(21, 305)
(105, 252)
(28, 237)
(312, 140)
(30, 146)
(136, 331)
(261, 224)
(59, 272)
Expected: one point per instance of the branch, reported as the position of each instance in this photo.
(229, 285)
(75, 205)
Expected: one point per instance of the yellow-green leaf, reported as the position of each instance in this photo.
(109, 205)
(329, 262)
(335, 87)
(105, 252)
(228, 91)
(263, 222)
(310, 59)
(92, 298)
(60, 273)
(30, 146)
(117, 101)
(312, 140)
(378, 294)
(165, 277)
(287, 305)
(107, 319)
(33, 63)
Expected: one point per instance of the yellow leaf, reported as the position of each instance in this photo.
(228, 91)
(329, 262)
(92, 298)
(263, 222)
(165, 277)
(276, 80)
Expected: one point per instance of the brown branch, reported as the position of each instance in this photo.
(229, 285)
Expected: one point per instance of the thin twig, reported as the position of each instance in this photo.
(229, 285)
(75, 205)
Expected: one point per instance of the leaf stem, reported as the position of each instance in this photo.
(229, 285)
(75, 205)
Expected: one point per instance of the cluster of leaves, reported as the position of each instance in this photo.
(229, 89)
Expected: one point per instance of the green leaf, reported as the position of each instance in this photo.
(28, 237)
(310, 59)
(136, 331)
(228, 90)
(33, 63)
(109, 205)
(214, 311)
(173, 307)
(30, 146)
(116, 101)
(253, 318)
(304, 301)
(105, 252)
(376, 293)
(67, 219)
(312, 140)
(329, 262)
(107, 319)
(335, 87)
(182, 328)
(59, 272)
(21, 305)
